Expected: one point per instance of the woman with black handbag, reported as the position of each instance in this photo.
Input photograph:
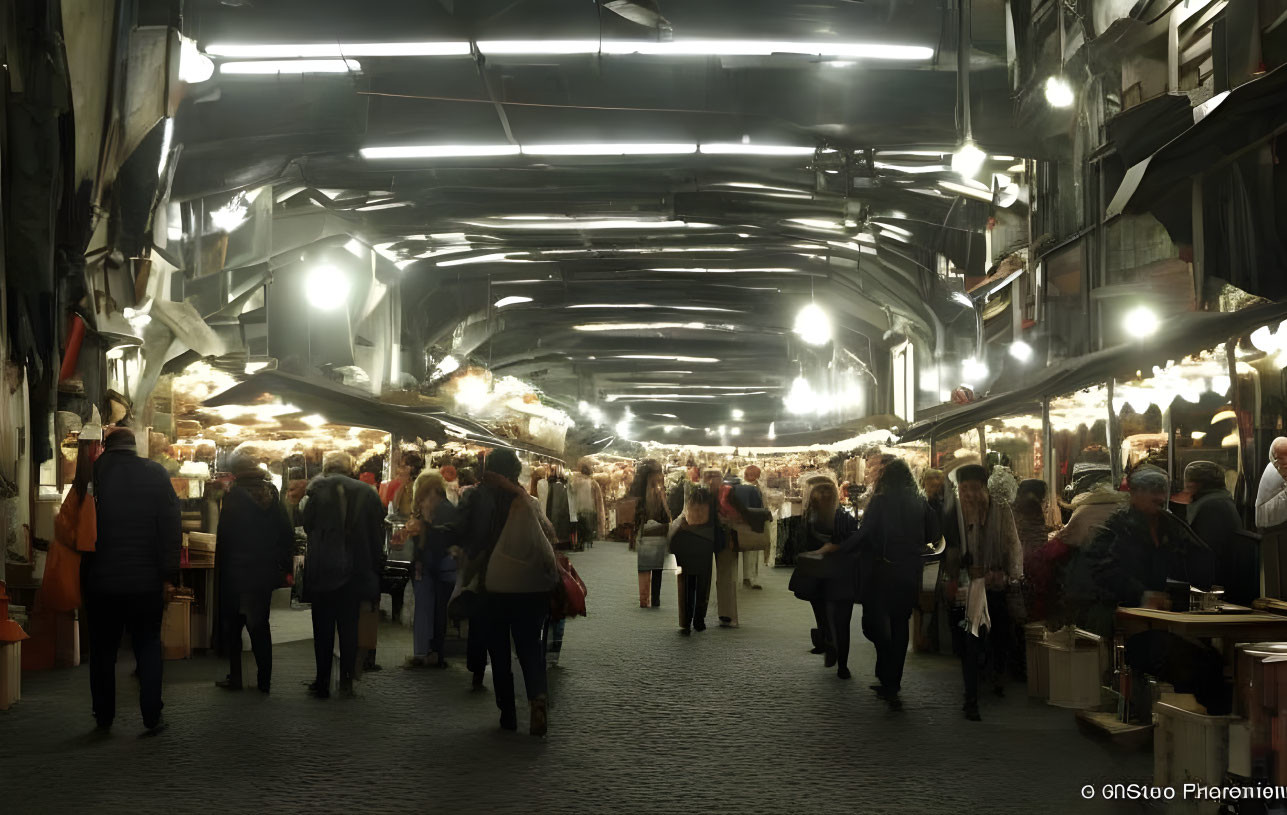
(896, 529)
(827, 582)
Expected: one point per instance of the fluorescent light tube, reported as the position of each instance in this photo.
(291, 66)
(609, 149)
(737, 149)
(440, 151)
(337, 50)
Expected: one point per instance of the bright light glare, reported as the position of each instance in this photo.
(813, 325)
(292, 66)
(968, 159)
(800, 399)
(512, 300)
(314, 420)
(725, 48)
(577, 224)
(328, 288)
(1058, 92)
(648, 306)
(738, 414)
(440, 151)
(1141, 322)
(668, 359)
(1021, 350)
(731, 149)
(337, 50)
(737, 431)
(1264, 339)
(650, 327)
(973, 371)
(194, 66)
(773, 432)
(355, 247)
(231, 215)
(609, 149)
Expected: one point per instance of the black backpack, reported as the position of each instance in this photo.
(329, 562)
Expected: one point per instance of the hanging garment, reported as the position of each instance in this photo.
(559, 510)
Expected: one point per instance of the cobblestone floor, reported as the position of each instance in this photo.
(738, 721)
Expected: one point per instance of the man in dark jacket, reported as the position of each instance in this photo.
(252, 556)
(1215, 520)
(134, 567)
(344, 520)
(1136, 551)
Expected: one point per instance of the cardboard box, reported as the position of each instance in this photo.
(176, 629)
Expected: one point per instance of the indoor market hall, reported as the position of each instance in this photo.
(643, 406)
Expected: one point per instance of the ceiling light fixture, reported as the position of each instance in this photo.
(649, 305)
(609, 149)
(667, 358)
(973, 371)
(512, 300)
(194, 67)
(328, 288)
(337, 50)
(813, 325)
(440, 151)
(1021, 351)
(738, 414)
(606, 223)
(651, 327)
(734, 149)
(1141, 322)
(704, 48)
(292, 66)
(968, 159)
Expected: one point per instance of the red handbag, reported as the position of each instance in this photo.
(569, 595)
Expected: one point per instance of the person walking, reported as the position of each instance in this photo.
(130, 574)
(254, 542)
(725, 554)
(896, 530)
(648, 490)
(990, 564)
(586, 505)
(434, 567)
(519, 574)
(832, 597)
(751, 496)
(692, 540)
(344, 520)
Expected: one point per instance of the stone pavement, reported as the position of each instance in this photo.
(643, 720)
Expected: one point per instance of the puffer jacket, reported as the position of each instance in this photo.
(139, 535)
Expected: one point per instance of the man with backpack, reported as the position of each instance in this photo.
(344, 520)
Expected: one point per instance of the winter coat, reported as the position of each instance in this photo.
(139, 532)
(434, 542)
(1215, 520)
(558, 509)
(890, 542)
(1123, 562)
(693, 547)
(254, 543)
(363, 529)
(1030, 523)
(844, 583)
(1091, 510)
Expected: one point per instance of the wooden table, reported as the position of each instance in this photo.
(1238, 626)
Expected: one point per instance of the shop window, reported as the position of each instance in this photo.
(1079, 442)
(1015, 441)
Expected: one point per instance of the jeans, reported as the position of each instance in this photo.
(109, 616)
(522, 618)
(886, 622)
(261, 643)
(553, 639)
(694, 597)
(429, 626)
(335, 610)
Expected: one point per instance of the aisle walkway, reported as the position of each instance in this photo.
(644, 721)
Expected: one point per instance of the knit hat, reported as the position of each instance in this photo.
(1149, 479)
(1206, 474)
(503, 461)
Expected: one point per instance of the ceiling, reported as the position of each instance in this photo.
(669, 283)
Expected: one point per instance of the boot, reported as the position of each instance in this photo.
(819, 647)
(540, 715)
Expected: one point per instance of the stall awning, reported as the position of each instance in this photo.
(354, 408)
(1232, 122)
(1182, 335)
